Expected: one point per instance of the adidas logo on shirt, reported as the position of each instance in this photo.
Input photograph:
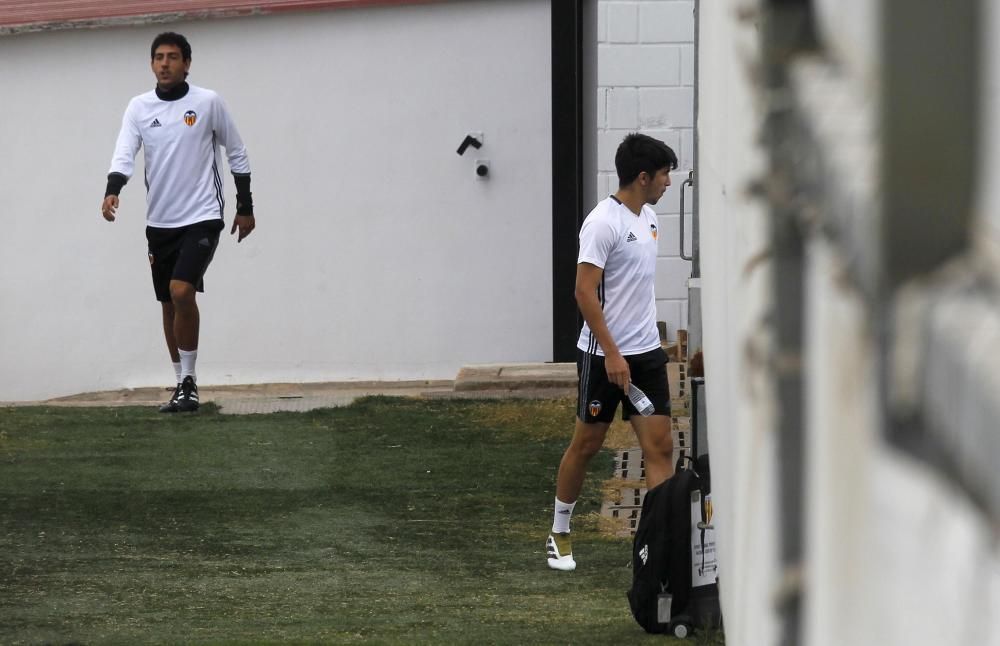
(631, 237)
(155, 124)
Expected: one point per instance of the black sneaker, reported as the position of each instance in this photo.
(187, 398)
(171, 405)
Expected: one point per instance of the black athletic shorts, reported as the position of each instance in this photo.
(182, 253)
(597, 398)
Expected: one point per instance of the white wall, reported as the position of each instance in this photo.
(989, 201)
(896, 553)
(735, 298)
(646, 84)
(377, 254)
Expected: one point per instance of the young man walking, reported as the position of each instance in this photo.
(180, 128)
(619, 344)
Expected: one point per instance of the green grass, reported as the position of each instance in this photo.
(394, 521)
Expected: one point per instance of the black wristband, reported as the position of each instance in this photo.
(115, 183)
(244, 205)
(244, 198)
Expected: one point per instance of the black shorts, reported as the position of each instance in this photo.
(182, 253)
(597, 398)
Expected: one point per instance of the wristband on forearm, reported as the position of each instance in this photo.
(115, 183)
(244, 198)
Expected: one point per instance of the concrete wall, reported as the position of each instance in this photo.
(897, 551)
(377, 255)
(735, 300)
(646, 84)
(989, 200)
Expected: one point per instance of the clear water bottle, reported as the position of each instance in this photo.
(640, 401)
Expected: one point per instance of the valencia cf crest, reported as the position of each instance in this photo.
(652, 229)
(595, 408)
(190, 117)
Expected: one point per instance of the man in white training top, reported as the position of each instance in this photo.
(619, 344)
(180, 128)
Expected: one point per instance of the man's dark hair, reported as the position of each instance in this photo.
(171, 38)
(638, 153)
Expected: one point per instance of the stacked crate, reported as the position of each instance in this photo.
(680, 411)
(625, 506)
(680, 398)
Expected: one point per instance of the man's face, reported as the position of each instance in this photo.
(169, 66)
(657, 185)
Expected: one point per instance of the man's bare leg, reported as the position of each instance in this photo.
(187, 321)
(657, 444)
(587, 441)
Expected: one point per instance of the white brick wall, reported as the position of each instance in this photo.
(645, 78)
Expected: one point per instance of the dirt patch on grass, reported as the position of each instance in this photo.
(620, 436)
(543, 419)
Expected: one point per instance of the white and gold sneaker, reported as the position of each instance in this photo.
(560, 552)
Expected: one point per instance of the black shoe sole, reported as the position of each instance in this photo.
(169, 407)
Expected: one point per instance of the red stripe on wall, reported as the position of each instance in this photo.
(43, 15)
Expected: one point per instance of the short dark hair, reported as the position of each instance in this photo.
(638, 153)
(171, 38)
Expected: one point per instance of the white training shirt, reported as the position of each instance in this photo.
(180, 141)
(624, 245)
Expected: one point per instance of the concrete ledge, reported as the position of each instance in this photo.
(332, 391)
(489, 381)
(523, 376)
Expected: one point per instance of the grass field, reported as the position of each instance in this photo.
(393, 521)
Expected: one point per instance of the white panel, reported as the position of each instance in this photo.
(687, 65)
(602, 22)
(670, 232)
(377, 255)
(671, 278)
(607, 184)
(896, 554)
(685, 155)
(926, 535)
(989, 198)
(623, 108)
(734, 303)
(839, 368)
(666, 107)
(623, 22)
(666, 22)
(634, 65)
(607, 144)
(602, 108)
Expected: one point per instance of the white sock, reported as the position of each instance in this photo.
(560, 519)
(177, 371)
(188, 357)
